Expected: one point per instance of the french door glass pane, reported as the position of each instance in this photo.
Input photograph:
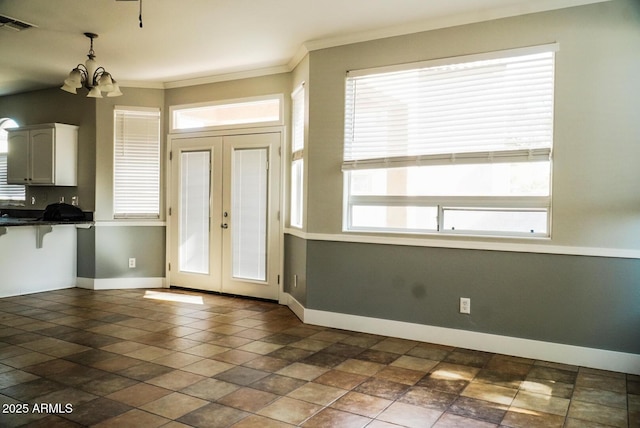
(194, 215)
(249, 213)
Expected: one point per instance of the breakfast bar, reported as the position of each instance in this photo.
(37, 255)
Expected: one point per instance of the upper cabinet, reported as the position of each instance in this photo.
(43, 155)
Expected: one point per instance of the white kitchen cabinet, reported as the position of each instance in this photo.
(43, 155)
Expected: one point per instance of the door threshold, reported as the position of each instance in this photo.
(219, 293)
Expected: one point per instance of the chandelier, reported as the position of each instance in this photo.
(95, 79)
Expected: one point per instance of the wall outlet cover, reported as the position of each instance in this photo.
(465, 305)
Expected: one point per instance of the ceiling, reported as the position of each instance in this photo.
(198, 41)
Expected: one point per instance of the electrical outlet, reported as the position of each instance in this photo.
(465, 305)
(132, 262)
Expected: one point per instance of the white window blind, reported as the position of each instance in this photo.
(297, 156)
(493, 109)
(8, 192)
(136, 187)
(297, 133)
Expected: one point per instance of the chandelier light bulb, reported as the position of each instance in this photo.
(115, 92)
(91, 66)
(105, 83)
(94, 93)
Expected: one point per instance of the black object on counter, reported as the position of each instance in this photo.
(62, 212)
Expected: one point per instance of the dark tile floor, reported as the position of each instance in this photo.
(75, 357)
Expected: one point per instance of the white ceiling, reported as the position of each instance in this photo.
(196, 41)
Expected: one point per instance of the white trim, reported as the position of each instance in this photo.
(295, 306)
(140, 84)
(128, 223)
(225, 77)
(526, 348)
(137, 108)
(446, 22)
(538, 247)
(484, 56)
(173, 109)
(42, 290)
(119, 283)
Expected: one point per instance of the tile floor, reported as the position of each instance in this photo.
(75, 357)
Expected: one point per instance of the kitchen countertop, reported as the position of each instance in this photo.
(41, 227)
(30, 221)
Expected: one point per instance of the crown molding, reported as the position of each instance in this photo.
(523, 8)
(242, 74)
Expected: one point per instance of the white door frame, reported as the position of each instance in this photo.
(168, 196)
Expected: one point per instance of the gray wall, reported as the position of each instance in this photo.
(86, 253)
(583, 301)
(103, 252)
(133, 97)
(296, 264)
(115, 245)
(54, 105)
(596, 151)
(578, 300)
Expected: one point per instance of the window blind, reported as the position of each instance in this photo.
(136, 187)
(9, 192)
(496, 109)
(297, 137)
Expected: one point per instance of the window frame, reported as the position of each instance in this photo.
(443, 204)
(8, 123)
(173, 110)
(298, 110)
(157, 164)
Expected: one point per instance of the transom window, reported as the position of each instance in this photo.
(228, 114)
(457, 146)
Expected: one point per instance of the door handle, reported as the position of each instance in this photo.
(224, 226)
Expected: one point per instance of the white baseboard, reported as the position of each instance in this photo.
(119, 283)
(294, 305)
(22, 292)
(526, 348)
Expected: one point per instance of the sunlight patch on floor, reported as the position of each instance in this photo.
(173, 297)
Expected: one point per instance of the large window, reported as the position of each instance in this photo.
(136, 187)
(9, 193)
(457, 146)
(297, 156)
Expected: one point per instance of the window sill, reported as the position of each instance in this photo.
(485, 243)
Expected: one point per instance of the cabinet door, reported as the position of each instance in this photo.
(18, 157)
(42, 156)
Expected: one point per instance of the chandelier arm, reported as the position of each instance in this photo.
(97, 74)
(83, 73)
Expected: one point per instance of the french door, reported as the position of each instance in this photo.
(224, 222)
